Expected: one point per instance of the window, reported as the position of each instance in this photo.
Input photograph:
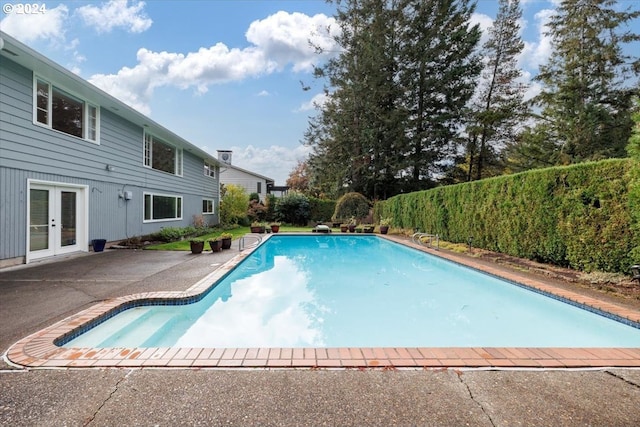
(209, 170)
(259, 187)
(161, 156)
(158, 207)
(59, 110)
(207, 206)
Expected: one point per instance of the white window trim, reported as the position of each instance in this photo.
(148, 161)
(48, 125)
(213, 206)
(146, 193)
(212, 169)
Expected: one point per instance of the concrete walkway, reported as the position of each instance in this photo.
(35, 296)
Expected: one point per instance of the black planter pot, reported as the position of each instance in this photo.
(216, 245)
(226, 243)
(98, 244)
(197, 247)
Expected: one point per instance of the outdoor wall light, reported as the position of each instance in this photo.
(110, 168)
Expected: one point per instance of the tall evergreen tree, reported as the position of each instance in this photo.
(396, 94)
(586, 99)
(354, 138)
(438, 71)
(499, 105)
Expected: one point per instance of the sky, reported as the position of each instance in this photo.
(222, 74)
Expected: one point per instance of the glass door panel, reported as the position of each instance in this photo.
(68, 218)
(39, 232)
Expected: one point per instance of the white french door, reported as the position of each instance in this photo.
(57, 220)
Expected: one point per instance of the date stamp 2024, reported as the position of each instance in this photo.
(24, 8)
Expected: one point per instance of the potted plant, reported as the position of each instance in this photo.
(226, 240)
(197, 245)
(257, 227)
(275, 227)
(359, 229)
(352, 225)
(344, 228)
(215, 244)
(384, 225)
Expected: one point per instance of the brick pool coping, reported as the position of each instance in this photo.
(39, 350)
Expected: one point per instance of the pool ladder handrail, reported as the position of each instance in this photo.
(417, 238)
(241, 241)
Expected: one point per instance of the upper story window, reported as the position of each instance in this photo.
(59, 110)
(209, 169)
(162, 156)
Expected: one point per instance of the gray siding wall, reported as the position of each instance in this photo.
(31, 151)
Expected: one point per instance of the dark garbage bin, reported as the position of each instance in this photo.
(98, 244)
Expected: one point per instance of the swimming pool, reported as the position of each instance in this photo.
(357, 291)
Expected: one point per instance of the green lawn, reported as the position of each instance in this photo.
(184, 245)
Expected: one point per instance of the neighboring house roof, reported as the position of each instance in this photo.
(58, 75)
(223, 166)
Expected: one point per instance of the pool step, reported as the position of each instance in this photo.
(92, 337)
(162, 332)
(139, 330)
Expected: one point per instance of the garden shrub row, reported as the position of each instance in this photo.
(585, 216)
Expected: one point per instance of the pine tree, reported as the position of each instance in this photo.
(353, 140)
(499, 106)
(438, 71)
(586, 98)
(396, 94)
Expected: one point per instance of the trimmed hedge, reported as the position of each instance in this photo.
(321, 210)
(585, 216)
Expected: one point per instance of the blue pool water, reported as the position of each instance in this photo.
(358, 291)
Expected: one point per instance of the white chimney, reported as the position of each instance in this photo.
(225, 156)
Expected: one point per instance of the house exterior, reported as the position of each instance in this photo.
(76, 164)
(250, 181)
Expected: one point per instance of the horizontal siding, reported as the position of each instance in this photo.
(245, 180)
(29, 151)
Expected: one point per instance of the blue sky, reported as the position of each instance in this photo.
(225, 75)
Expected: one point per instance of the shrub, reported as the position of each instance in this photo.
(233, 204)
(582, 216)
(293, 208)
(171, 234)
(271, 207)
(351, 205)
(321, 210)
(256, 211)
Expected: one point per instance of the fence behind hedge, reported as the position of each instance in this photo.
(586, 216)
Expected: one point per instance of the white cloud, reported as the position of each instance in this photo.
(485, 23)
(115, 14)
(293, 37)
(536, 53)
(315, 103)
(35, 26)
(263, 93)
(278, 40)
(273, 162)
